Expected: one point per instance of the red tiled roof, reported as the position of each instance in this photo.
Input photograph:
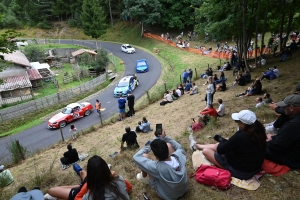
(81, 51)
(34, 74)
(17, 57)
(15, 82)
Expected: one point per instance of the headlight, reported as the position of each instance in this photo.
(54, 123)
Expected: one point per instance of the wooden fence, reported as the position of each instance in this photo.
(34, 105)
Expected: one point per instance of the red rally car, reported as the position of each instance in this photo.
(70, 113)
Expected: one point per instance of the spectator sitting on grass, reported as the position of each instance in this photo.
(259, 102)
(268, 75)
(70, 156)
(143, 126)
(242, 154)
(221, 109)
(175, 95)
(210, 111)
(178, 91)
(130, 138)
(194, 90)
(188, 86)
(167, 175)
(267, 98)
(276, 71)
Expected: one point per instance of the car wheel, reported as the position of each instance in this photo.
(88, 112)
(62, 124)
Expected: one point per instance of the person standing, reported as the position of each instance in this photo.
(121, 104)
(130, 100)
(98, 106)
(190, 75)
(73, 131)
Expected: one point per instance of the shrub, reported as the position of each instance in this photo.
(17, 154)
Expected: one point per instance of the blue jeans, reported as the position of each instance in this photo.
(209, 98)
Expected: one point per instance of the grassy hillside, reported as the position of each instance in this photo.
(43, 168)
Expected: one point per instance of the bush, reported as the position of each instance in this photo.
(34, 53)
(17, 155)
(44, 25)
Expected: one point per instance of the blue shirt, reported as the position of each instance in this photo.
(185, 74)
(121, 103)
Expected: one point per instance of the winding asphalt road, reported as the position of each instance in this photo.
(39, 137)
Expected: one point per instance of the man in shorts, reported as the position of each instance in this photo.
(121, 104)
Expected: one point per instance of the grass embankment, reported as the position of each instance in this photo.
(176, 117)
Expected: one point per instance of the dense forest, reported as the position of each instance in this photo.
(220, 19)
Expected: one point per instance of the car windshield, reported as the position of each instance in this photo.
(142, 63)
(67, 111)
(123, 84)
(129, 46)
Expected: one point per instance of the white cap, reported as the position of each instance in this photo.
(1, 167)
(246, 116)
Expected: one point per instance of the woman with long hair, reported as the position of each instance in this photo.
(99, 183)
(243, 153)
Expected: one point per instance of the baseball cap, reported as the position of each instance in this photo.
(293, 100)
(1, 167)
(246, 116)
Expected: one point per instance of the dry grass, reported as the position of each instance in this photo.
(175, 117)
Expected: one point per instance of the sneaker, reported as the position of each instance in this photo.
(114, 154)
(148, 143)
(192, 142)
(142, 179)
(49, 197)
(77, 168)
(109, 166)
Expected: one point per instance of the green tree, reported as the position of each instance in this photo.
(34, 53)
(146, 12)
(177, 14)
(93, 18)
(101, 60)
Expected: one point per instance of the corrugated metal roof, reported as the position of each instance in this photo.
(81, 51)
(15, 82)
(17, 57)
(34, 74)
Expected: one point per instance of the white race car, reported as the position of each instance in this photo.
(127, 48)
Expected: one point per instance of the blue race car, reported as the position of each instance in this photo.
(126, 84)
(141, 66)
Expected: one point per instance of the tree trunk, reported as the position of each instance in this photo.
(256, 32)
(264, 25)
(142, 33)
(111, 17)
(245, 37)
(291, 17)
(281, 25)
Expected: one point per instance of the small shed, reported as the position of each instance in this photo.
(35, 78)
(79, 52)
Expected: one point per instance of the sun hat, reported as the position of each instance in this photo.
(293, 100)
(246, 116)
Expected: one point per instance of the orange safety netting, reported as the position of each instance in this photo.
(213, 54)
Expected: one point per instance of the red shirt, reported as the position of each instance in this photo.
(210, 111)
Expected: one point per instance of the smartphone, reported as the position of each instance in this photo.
(158, 129)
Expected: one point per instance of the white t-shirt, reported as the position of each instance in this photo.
(169, 97)
(259, 104)
(172, 163)
(221, 109)
(210, 88)
(276, 72)
(178, 92)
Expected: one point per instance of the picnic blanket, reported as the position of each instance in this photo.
(250, 184)
(81, 156)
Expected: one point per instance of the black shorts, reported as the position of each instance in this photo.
(73, 193)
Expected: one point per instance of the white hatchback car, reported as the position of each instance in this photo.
(127, 48)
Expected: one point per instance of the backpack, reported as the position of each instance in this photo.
(213, 176)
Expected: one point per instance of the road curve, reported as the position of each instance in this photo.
(39, 137)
